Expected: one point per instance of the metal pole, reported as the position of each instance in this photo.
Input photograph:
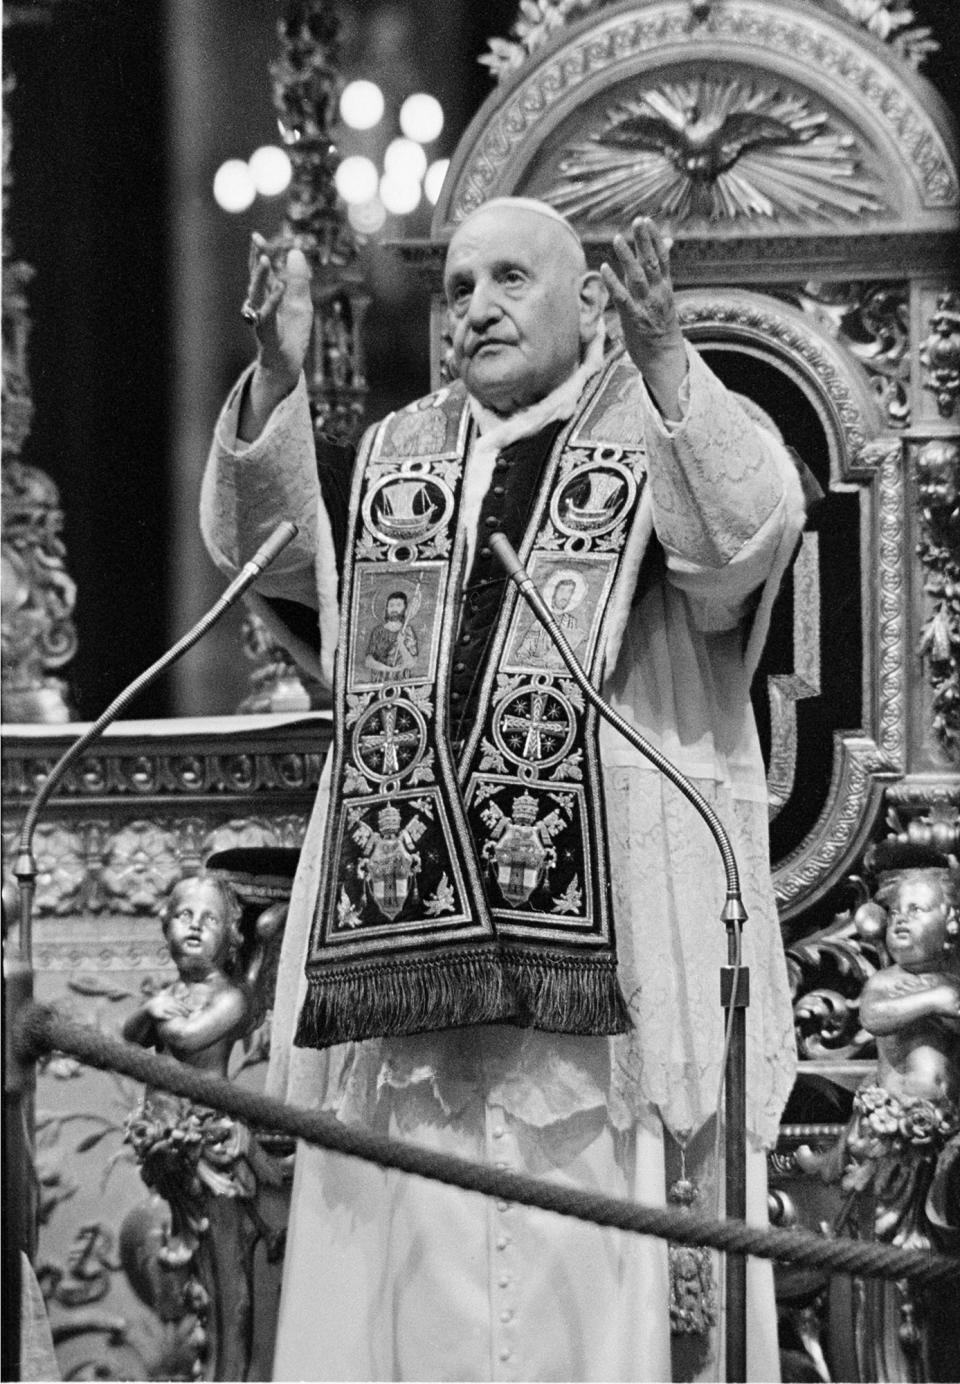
(735, 997)
(18, 1178)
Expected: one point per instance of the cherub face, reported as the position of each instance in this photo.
(917, 929)
(197, 928)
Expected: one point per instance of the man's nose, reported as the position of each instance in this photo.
(484, 305)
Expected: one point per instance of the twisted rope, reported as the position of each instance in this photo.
(40, 1030)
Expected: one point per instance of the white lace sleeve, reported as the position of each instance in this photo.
(248, 489)
(713, 479)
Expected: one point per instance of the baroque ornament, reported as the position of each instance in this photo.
(938, 484)
(714, 148)
(940, 354)
(538, 21)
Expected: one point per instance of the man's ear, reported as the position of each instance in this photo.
(593, 299)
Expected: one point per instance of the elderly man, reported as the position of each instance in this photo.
(504, 940)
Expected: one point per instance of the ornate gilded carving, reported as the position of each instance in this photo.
(38, 635)
(759, 34)
(539, 20)
(784, 690)
(862, 762)
(196, 1262)
(763, 322)
(940, 354)
(872, 322)
(892, 22)
(94, 867)
(937, 470)
(720, 149)
(892, 1160)
(131, 773)
(305, 90)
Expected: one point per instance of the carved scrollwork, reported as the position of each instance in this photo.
(940, 354)
(937, 469)
(93, 867)
(540, 20)
(872, 323)
(136, 774)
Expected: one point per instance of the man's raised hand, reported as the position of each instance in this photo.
(279, 306)
(281, 301)
(645, 304)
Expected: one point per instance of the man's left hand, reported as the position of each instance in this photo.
(648, 314)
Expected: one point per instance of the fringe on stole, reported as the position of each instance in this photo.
(560, 993)
(555, 992)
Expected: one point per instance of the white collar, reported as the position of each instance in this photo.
(497, 432)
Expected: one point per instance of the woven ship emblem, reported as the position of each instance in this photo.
(391, 866)
(520, 852)
(595, 509)
(406, 512)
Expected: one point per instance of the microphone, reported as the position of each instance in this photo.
(734, 913)
(25, 868)
(734, 977)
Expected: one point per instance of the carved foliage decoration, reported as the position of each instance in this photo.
(38, 635)
(539, 20)
(937, 469)
(306, 83)
(719, 149)
(99, 868)
(940, 354)
(872, 322)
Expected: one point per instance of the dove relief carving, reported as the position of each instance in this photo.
(715, 149)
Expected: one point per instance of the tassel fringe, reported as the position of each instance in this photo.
(390, 998)
(563, 994)
(553, 992)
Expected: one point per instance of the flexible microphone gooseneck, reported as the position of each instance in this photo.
(734, 977)
(25, 868)
(733, 912)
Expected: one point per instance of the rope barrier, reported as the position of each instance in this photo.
(40, 1030)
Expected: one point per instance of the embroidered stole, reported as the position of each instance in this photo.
(473, 891)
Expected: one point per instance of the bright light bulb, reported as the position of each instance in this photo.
(433, 180)
(404, 158)
(421, 117)
(361, 105)
(399, 194)
(356, 179)
(367, 218)
(233, 187)
(270, 169)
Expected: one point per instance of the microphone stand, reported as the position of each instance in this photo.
(734, 977)
(19, 1220)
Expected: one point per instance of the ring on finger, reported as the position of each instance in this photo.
(249, 313)
(650, 266)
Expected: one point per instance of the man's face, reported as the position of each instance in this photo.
(396, 609)
(562, 595)
(917, 928)
(519, 310)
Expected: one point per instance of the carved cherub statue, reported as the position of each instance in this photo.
(912, 1006)
(194, 1261)
(199, 1017)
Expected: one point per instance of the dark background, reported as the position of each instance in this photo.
(90, 209)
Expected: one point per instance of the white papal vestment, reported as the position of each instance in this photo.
(387, 1277)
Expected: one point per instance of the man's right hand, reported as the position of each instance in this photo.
(284, 308)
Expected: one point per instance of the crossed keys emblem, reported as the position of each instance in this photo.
(388, 739)
(534, 725)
